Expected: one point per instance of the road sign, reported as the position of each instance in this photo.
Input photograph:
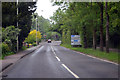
(75, 40)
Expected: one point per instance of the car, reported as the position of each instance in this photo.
(49, 40)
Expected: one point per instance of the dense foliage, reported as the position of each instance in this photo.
(96, 23)
(10, 34)
(53, 35)
(31, 39)
(24, 17)
(44, 26)
(5, 48)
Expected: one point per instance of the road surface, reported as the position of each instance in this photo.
(54, 61)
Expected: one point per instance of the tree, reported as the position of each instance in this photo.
(107, 27)
(101, 25)
(63, 37)
(43, 25)
(9, 14)
(10, 17)
(32, 37)
(88, 21)
(25, 19)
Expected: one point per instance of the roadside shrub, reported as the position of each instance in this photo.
(24, 48)
(0, 49)
(34, 44)
(5, 48)
(30, 45)
(32, 37)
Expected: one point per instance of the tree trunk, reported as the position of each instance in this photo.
(85, 38)
(101, 28)
(94, 33)
(94, 39)
(107, 29)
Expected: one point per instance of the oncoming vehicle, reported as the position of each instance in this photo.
(49, 40)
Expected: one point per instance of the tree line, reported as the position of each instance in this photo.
(9, 22)
(44, 26)
(98, 23)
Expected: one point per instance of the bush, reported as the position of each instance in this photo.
(30, 45)
(24, 48)
(32, 37)
(34, 44)
(5, 48)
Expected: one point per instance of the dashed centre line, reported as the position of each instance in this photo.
(70, 71)
(55, 54)
(53, 50)
(64, 64)
(57, 58)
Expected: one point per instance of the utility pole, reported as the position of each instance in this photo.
(17, 27)
(36, 30)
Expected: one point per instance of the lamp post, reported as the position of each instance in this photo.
(35, 17)
(17, 27)
(36, 31)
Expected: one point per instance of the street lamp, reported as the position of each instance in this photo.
(35, 17)
(17, 27)
(36, 30)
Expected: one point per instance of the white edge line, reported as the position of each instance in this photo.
(97, 58)
(70, 71)
(57, 58)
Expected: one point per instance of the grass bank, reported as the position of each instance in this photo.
(112, 56)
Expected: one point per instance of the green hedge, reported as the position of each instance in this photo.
(34, 44)
(5, 48)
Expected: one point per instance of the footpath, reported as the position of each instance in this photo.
(9, 60)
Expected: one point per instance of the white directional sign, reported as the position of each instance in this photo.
(75, 40)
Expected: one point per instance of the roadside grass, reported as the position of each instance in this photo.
(112, 56)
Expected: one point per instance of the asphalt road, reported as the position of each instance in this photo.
(54, 61)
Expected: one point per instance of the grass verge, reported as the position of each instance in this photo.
(112, 56)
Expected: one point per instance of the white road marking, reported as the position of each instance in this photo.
(70, 71)
(55, 54)
(97, 58)
(53, 50)
(57, 58)
(64, 64)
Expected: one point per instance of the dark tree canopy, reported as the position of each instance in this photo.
(24, 18)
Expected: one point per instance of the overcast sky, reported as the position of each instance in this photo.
(45, 8)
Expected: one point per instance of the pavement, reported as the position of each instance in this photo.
(9, 60)
(54, 61)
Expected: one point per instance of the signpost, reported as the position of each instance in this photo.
(75, 40)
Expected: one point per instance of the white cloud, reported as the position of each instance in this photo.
(45, 8)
